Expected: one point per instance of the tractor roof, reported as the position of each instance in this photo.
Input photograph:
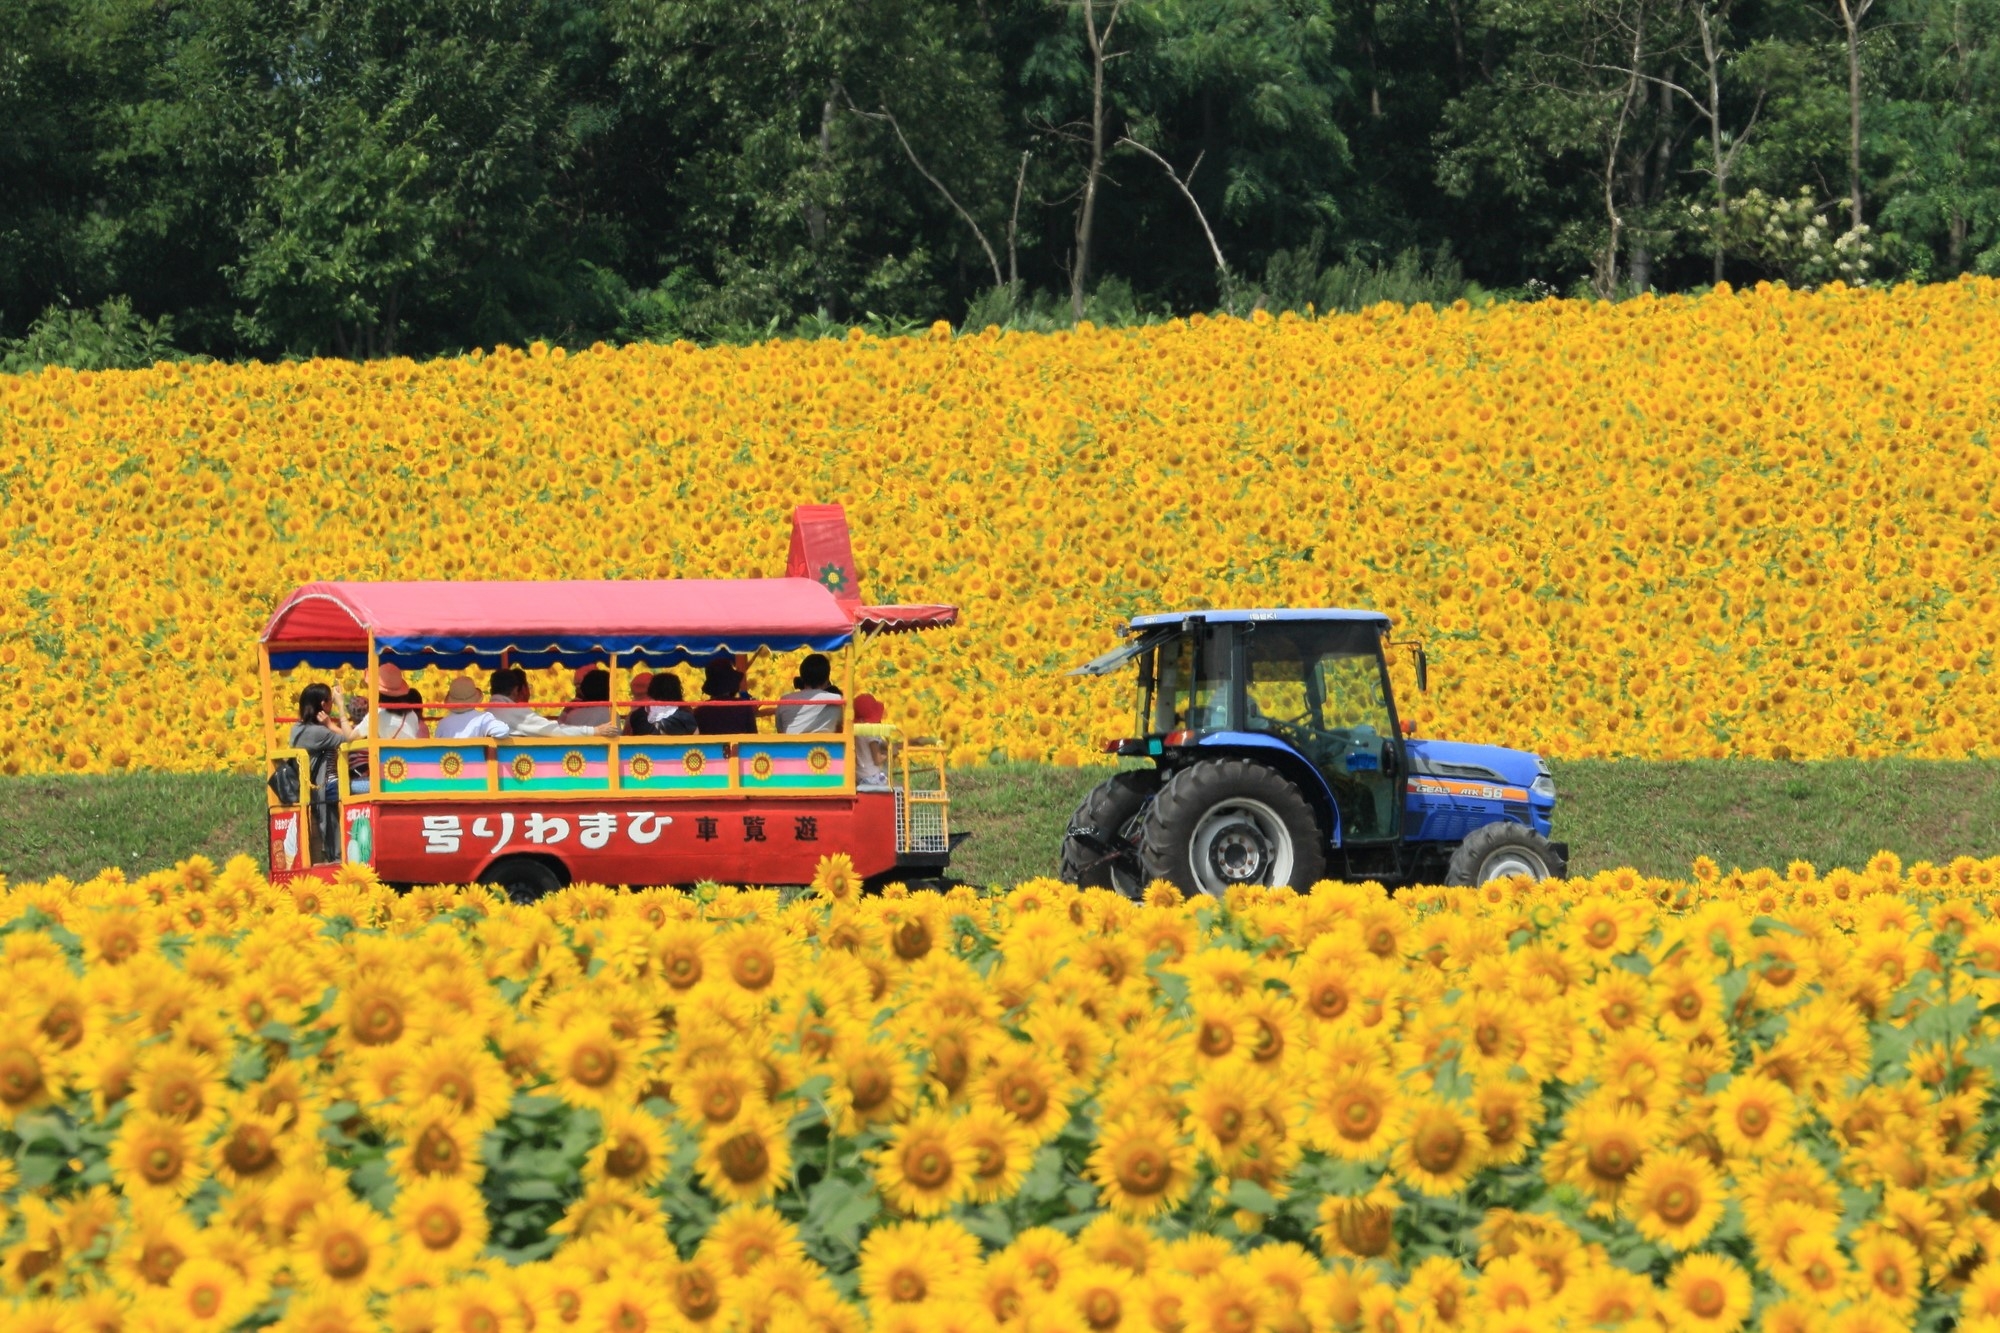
(1239, 616)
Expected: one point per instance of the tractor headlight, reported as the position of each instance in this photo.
(1544, 788)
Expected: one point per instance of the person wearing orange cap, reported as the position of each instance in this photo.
(402, 707)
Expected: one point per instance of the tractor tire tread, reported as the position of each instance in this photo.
(1108, 805)
(1483, 841)
(1189, 793)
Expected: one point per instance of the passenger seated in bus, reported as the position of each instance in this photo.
(464, 721)
(322, 728)
(813, 705)
(402, 712)
(593, 698)
(722, 683)
(662, 714)
(871, 753)
(510, 705)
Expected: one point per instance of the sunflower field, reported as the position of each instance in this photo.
(1753, 1100)
(1754, 523)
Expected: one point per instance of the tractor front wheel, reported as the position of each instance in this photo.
(1100, 851)
(1499, 850)
(1225, 822)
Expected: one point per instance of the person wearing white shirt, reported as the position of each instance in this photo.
(814, 705)
(397, 724)
(467, 723)
(510, 701)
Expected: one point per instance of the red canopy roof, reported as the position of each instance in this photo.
(904, 619)
(451, 623)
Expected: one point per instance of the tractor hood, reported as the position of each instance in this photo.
(1474, 763)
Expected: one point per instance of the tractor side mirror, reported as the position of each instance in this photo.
(1423, 671)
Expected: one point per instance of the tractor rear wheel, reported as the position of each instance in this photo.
(1498, 850)
(1225, 822)
(1101, 850)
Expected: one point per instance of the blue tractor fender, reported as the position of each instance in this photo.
(1268, 750)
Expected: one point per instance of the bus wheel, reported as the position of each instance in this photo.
(522, 878)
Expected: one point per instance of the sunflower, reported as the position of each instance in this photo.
(747, 1159)
(478, 1307)
(25, 1070)
(1226, 1109)
(1439, 1291)
(1228, 1301)
(1441, 1145)
(593, 1066)
(1707, 1291)
(875, 1082)
(1142, 1166)
(159, 1156)
(1110, 1239)
(1002, 1151)
(627, 1303)
(1813, 1267)
(1101, 1297)
(1602, 1147)
(1610, 1297)
(714, 1091)
(834, 879)
(1890, 1272)
(1510, 1286)
(180, 1084)
(1353, 1113)
(1028, 1087)
(748, 1236)
(912, 1263)
(1508, 1112)
(756, 959)
(437, 1141)
(926, 1166)
(1753, 1114)
(632, 1148)
(373, 1011)
(460, 1070)
(1675, 1198)
(1360, 1226)
(335, 1310)
(253, 1148)
(442, 1221)
(343, 1245)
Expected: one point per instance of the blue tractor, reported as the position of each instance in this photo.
(1278, 758)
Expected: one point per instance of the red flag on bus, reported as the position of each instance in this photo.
(823, 552)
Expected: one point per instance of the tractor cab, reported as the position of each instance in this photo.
(1279, 758)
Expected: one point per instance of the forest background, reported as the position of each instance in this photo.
(267, 178)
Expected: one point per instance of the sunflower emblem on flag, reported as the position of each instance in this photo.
(395, 768)
(642, 767)
(451, 765)
(573, 763)
(524, 766)
(819, 759)
(833, 578)
(694, 761)
(760, 767)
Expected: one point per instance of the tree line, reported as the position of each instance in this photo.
(372, 177)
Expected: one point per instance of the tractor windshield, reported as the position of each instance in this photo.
(1183, 683)
(1322, 688)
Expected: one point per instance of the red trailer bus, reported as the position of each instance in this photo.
(531, 815)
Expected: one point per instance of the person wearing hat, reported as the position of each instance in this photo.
(466, 719)
(871, 742)
(402, 707)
